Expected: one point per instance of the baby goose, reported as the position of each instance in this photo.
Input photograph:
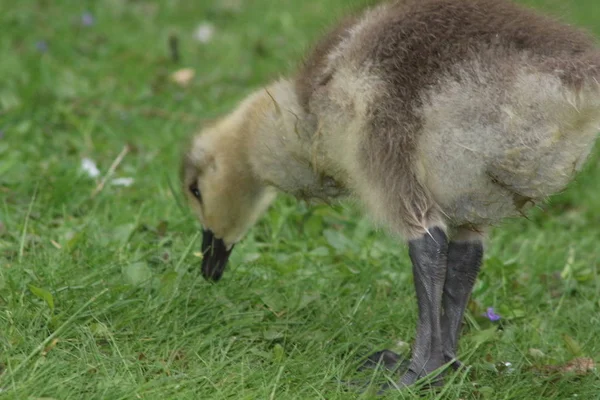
(441, 117)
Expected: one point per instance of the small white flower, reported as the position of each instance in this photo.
(90, 168)
(122, 182)
(204, 32)
(509, 367)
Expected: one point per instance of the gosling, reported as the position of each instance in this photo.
(441, 117)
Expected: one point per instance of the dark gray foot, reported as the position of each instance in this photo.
(384, 360)
(387, 360)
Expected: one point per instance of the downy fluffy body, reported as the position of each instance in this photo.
(454, 113)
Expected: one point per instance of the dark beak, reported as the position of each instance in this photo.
(215, 256)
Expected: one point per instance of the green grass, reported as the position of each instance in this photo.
(101, 296)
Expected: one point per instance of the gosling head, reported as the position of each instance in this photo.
(222, 190)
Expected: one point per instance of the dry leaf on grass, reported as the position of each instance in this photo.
(577, 366)
(183, 77)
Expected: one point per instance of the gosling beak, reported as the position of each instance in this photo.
(215, 255)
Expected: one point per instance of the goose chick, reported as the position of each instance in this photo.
(442, 117)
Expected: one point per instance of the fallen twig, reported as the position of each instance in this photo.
(111, 171)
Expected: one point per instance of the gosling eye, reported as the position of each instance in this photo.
(195, 191)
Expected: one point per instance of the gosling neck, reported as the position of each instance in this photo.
(279, 141)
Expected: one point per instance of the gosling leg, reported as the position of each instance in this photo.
(464, 262)
(429, 256)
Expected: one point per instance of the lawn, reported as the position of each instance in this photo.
(101, 295)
